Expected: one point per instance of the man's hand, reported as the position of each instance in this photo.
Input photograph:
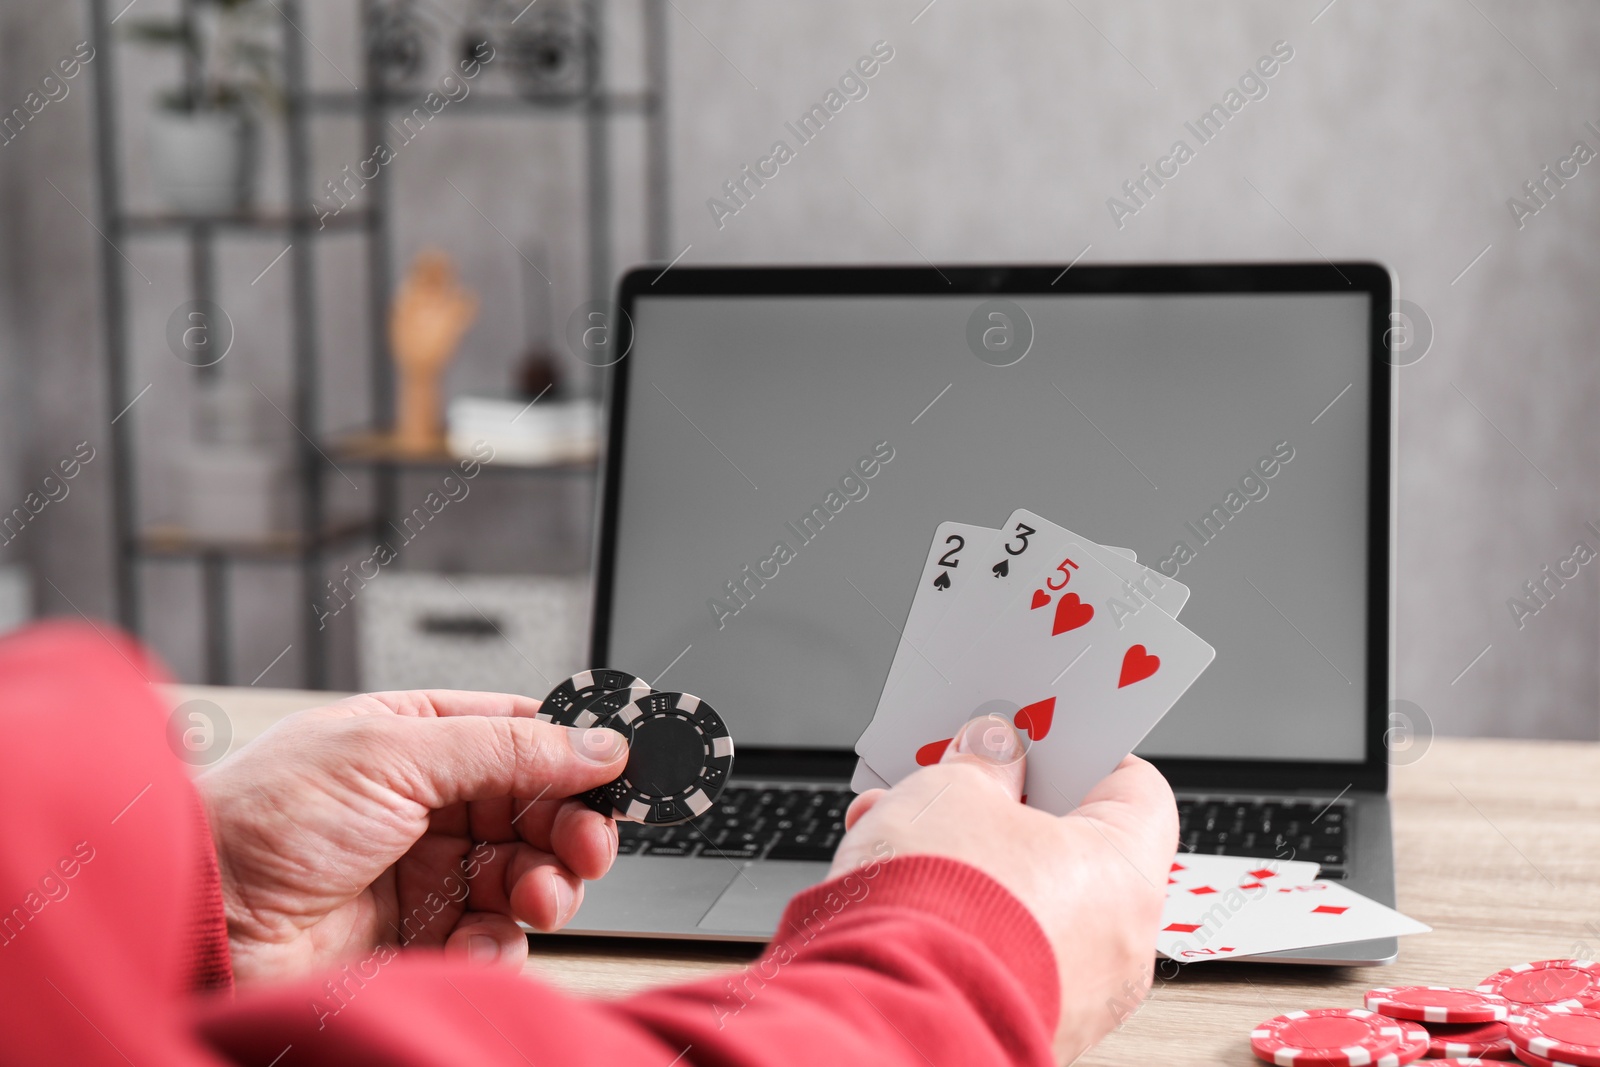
(426, 818)
(1095, 880)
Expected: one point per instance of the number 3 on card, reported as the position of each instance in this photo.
(1024, 531)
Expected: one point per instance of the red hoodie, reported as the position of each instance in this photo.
(113, 948)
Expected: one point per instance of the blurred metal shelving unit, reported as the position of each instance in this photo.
(316, 533)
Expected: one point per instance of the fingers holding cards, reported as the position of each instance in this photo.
(1079, 647)
(1056, 636)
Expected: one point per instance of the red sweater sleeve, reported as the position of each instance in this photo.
(204, 956)
(919, 961)
(913, 961)
(102, 855)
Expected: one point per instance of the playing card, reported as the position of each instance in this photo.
(1003, 562)
(1198, 874)
(950, 567)
(1075, 657)
(1106, 698)
(866, 778)
(954, 544)
(1196, 882)
(1265, 917)
(1168, 594)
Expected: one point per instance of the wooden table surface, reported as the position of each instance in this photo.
(1497, 845)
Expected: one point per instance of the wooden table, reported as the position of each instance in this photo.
(1498, 849)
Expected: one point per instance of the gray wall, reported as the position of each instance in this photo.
(1397, 133)
(49, 370)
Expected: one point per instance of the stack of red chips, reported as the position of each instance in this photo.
(1542, 1014)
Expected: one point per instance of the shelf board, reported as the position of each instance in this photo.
(174, 542)
(348, 221)
(614, 103)
(376, 449)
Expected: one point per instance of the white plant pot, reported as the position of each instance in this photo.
(200, 161)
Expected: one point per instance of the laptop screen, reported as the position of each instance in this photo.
(1148, 421)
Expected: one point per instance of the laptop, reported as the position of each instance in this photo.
(743, 395)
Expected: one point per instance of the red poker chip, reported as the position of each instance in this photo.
(1524, 1056)
(1571, 983)
(1331, 1037)
(1565, 1035)
(1413, 1045)
(1478, 1040)
(1465, 1061)
(1437, 1004)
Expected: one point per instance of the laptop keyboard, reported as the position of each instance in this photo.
(751, 822)
(806, 823)
(1282, 828)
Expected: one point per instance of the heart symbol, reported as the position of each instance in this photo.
(932, 752)
(1002, 568)
(1040, 599)
(943, 581)
(1137, 665)
(1071, 613)
(1036, 718)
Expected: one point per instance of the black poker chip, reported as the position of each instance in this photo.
(595, 710)
(679, 757)
(567, 702)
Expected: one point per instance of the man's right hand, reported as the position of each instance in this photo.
(1095, 879)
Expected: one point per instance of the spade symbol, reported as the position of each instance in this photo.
(943, 581)
(1002, 568)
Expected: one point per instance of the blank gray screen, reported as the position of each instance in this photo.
(1130, 420)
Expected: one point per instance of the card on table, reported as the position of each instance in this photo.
(1075, 656)
(1196, 882)
(1263, 916)
(1195, 874)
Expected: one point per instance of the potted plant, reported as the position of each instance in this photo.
(202, 135)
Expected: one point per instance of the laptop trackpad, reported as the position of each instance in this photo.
(754, 901)
(651, 895)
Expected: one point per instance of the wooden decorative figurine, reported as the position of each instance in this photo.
(430, 314)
